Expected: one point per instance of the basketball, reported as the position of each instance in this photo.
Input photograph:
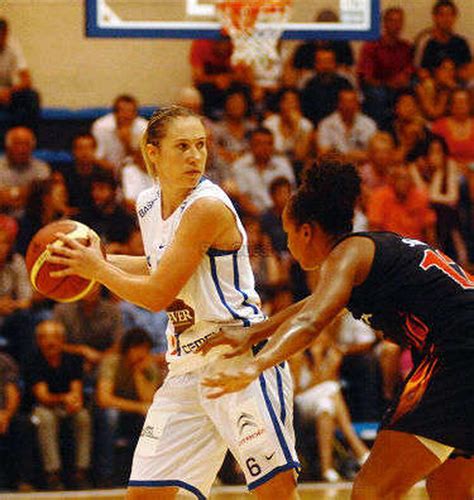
(65, 289)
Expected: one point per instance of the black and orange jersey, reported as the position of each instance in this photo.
(417, 296)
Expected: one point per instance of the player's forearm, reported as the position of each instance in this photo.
(140, 290)
(129, 263)
(292, 337)
(265, 329)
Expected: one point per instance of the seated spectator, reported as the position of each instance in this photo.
(55, 378)
(292, 132)
(230, 134)
(267, 268)
(106, 216)
(435, 91)
(408, 129)
(93, 327)
(347, 130)
(125, 388)
(16, 432)
(319, 95)
(380, 155)
(318, 399)
(302, 61)
(271, 220)
(457, 129)
(440, 177)
(15, 294)
(47, 202)
(401, 207)
(17, 96)
(78, 175)
(255, 170)
(118, 133)
(191, 98)
(385, 66)
(212, 73)
(443, 42)
(18, 169)
(135, 179)
(466, 210)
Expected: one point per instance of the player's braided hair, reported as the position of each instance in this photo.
(327, 195)
(157, 127)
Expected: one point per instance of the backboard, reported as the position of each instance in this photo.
(354, 20)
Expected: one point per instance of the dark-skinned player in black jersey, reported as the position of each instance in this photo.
(417, 296)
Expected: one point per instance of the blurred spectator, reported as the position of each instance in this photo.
(17, 96)
(55, 378)
(303, 58)
(380, 155)
(125, 388)
(434, 92)
(47, 202)
(93, 326)
(318, 399)
(292, 132)
(118, 133)
(18, 169)
(255, 170)
(15, 294)
(385, 66)
(347, 130)
(443, 42)
(401, 207)
(268, 271)
(16, 431)
(78, 175)
(106, 216)
(439, 175)
(360, 369)
(408, 129)
(271, 220)
(319, 95)
(135, 179)
(231, 133)
(191, 98)
(212, 72)
(457, 128)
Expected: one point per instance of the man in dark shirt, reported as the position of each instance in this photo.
(55, 379)
(320, 94)
(443, 43)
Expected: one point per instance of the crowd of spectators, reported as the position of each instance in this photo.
(76, 379)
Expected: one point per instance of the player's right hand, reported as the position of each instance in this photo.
(237, 338)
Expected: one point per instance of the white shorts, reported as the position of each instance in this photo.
(185, 435)
(318, 399)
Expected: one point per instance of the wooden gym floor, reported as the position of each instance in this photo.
(308, 491)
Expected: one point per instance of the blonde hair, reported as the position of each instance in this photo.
(157, 127)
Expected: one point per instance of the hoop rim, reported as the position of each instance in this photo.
(253, 4)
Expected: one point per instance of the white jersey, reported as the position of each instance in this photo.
(220, 292)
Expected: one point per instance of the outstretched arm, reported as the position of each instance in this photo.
(347, 266)
(202, 225)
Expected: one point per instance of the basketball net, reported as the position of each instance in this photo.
(255, 27)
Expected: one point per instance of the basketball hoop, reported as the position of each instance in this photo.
(255, 27)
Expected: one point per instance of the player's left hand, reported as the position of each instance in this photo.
(232, 379)
(78, 259)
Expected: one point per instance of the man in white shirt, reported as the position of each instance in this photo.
(17, 97)
(118, 133)
(254, 172)
(347, 130)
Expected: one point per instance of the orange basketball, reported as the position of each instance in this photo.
(68, 288)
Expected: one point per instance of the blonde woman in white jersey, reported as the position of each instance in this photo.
(196, 266)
